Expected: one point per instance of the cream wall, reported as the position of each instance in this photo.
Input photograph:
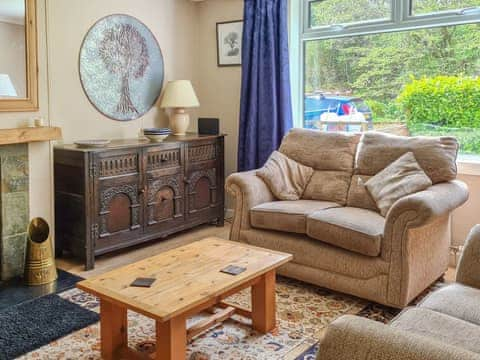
(174, 24)
(12, 61)
(219, 90)
(465, 217)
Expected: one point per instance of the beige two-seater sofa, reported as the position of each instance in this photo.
(335, 232)
(444, 326)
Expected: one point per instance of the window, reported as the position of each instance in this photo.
(421, 7)
(331, 12)
(401, 66)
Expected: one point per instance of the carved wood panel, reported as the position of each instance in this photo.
(163, 159)
(202, 153)
(164, 199)
(118, 165)
(129, 194)
(119, 209)
(202, 190)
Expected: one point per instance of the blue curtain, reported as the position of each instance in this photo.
(266, 109)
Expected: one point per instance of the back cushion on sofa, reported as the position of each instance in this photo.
(436, 155)
(321, 150)
(332, 155)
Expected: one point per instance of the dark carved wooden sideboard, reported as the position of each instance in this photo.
(135, 191)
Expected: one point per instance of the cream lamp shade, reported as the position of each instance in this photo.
(6, 87)
(179, 94)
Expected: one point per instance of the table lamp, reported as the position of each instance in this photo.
(179, 95)
(6, 87)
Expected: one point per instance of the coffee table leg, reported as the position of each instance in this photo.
(113, 329)
(263, 303)
(172, 339)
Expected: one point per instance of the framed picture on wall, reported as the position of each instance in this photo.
(229, 43)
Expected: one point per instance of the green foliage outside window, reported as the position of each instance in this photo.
(442, 101)
(379, 67)
(446, 105)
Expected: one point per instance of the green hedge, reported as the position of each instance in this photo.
(447, 101)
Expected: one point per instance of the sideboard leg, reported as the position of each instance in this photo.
(220, 222)
(89, 261)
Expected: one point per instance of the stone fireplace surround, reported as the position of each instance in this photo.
(14, 195)
(14, 204)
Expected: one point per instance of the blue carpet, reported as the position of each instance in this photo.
(310, 354)
(15, 291)
(32, 324)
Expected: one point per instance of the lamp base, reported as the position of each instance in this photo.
(179, 121)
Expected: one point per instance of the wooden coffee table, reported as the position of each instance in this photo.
(188, 281)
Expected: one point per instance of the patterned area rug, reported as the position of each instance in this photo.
(302, 312)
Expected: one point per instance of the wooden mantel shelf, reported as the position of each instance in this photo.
(29, 134)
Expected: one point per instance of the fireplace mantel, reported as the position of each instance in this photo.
(29, 134)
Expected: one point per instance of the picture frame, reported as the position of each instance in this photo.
(229, 43)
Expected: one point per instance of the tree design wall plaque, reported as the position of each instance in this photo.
(121, 67)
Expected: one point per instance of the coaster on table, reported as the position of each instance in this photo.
(233, 270)
(143, 282)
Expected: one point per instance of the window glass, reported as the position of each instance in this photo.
(421, 7)
(418, 82)
(329, 12)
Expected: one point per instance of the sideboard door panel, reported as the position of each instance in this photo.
(118, 215)
(204, 190)
(164, 209)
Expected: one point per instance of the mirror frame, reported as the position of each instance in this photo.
(30, 102)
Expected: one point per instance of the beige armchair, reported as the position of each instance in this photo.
(339, 241)
(446, 325)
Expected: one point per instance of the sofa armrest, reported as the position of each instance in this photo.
(417, 237)
(468, 270)
(355, 338)
(249, 191)
(434, 202)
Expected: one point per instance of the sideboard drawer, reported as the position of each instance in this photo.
(203, 151)
(162, 159)
(119, 163)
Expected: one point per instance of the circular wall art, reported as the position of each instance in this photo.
(121, 67)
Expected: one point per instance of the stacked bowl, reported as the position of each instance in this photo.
(157, 134)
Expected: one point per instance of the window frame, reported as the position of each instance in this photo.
(401, 20)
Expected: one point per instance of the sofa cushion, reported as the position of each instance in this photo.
(436, 155)
(401, 178)
(354, 229)
(445, 328)
(286, 178)
(456, 300)
(358, 195)
(287, 216)
(332, 155)
(328, 186)
(321, 150)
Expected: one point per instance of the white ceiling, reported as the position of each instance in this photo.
(12, 11)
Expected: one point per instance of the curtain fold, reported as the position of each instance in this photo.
(265, 109)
